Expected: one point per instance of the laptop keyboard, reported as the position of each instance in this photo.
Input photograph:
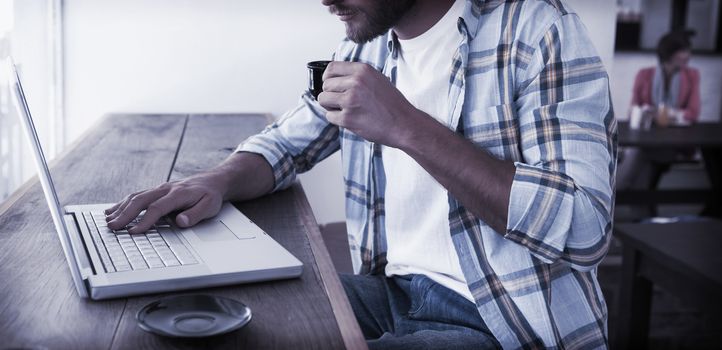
(121, 251)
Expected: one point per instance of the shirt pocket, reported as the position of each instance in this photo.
(494, 129)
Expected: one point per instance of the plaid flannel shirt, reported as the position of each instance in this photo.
(525, 85)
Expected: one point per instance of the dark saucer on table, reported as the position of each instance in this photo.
(193, 316)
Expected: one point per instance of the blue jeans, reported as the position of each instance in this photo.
(414, 312)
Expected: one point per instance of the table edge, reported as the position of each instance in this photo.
(671, 262)
(342, 311)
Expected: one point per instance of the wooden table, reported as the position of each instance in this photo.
(684, 259)
(39, 307)
(702, 135)
(706, 137)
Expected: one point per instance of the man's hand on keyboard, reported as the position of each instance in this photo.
(198, 197)
(241, 176)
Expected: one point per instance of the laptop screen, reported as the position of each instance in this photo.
(45, 180)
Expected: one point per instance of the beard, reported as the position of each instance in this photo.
(369, 23)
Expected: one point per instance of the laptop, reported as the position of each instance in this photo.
(227, 249)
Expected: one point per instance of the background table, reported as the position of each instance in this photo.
(702, 135)
(683, 258)
(706, 137)
(39, 307)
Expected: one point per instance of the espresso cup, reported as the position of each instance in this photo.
(315, 76)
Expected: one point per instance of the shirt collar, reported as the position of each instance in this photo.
(469, 21)
(467, 24)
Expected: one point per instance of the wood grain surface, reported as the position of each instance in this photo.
(39, 307)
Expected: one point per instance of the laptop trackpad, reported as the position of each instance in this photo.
(213, 231)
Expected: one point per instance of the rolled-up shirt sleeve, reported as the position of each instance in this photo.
(299, 140)
(562, 195)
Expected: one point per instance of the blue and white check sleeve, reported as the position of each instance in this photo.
(561, 197)
(294, 144)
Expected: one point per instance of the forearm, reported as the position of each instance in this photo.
(243, 176)
(478, 180)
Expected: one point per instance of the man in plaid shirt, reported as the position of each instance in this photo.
(479, 156)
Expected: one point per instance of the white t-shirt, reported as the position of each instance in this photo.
(417, 207)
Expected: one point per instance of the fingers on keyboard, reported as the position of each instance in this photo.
(112, 209)
(154, 212)
(120, 206)
(133, 205)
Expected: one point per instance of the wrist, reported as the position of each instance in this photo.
(242, 176)
(407, 130)
(221, 179)
(417, 132)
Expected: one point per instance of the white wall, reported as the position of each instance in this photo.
(656, 21)
(30, 50)
(702, 18)
(600, 18)
(26, 28)
(630, 6)
(189, 56)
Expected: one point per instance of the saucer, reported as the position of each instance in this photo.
(193, 316)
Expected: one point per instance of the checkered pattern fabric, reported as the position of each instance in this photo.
(527, 86)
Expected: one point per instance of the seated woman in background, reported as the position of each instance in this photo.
(671, 84)
(672, 89)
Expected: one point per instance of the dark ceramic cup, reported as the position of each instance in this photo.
(315, 76)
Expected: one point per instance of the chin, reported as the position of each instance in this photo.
(360, 36)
